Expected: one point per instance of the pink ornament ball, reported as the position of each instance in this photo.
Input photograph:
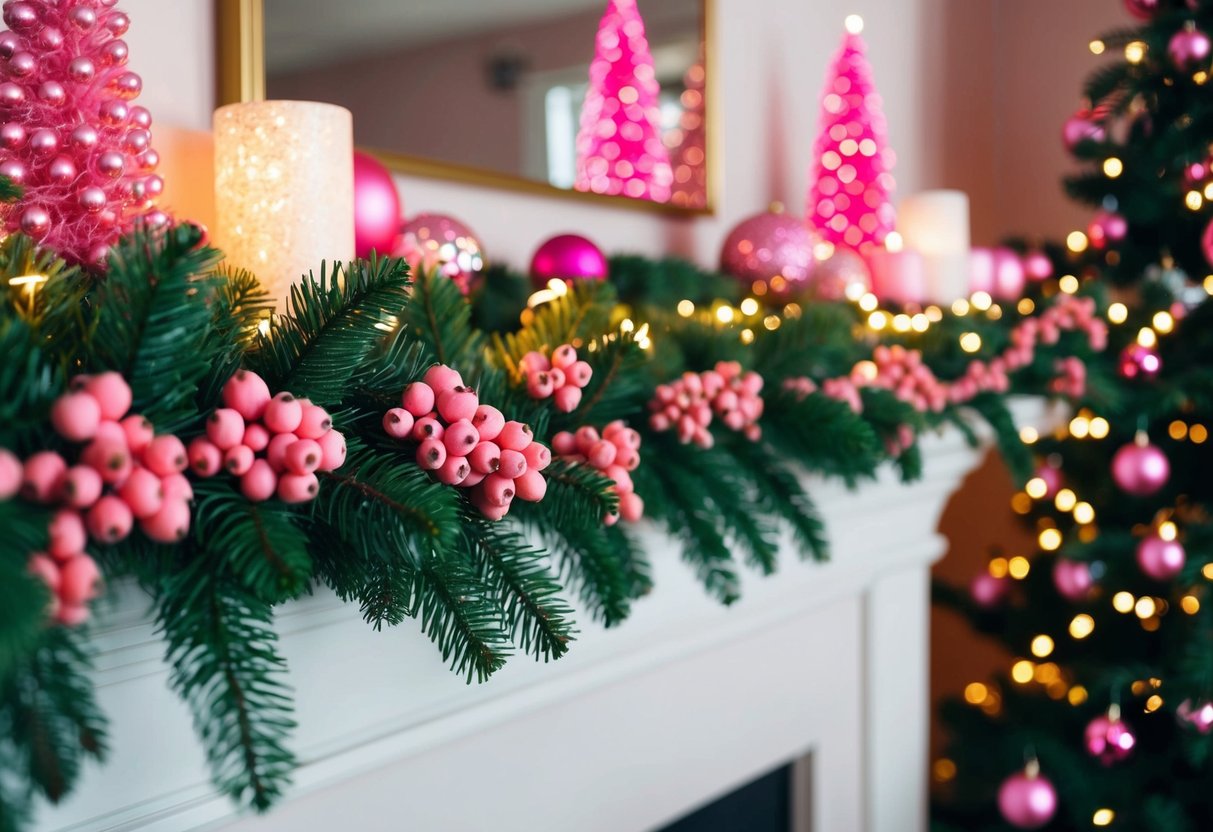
(1140, 469)
(1073, 579)
(436, 242)
(1082, 128)
(771, 248)
(567, 257)
(1206, 242)
(1106, 228)
(1027, 802)
(1138, 362)
(1189, 48)
(1009, 276)
(1037, 266)
(1196, 715)
(1052, 479)
(1108, 739)
(1142, 9)
(376, 207)
(1160, 559)
(987, 591)
(833, 276)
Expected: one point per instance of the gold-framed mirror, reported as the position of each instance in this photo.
(499, 96)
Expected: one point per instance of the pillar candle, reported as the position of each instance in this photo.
(898, 276)
(284, 189)
(936, 224)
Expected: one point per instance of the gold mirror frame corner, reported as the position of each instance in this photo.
(240, 76)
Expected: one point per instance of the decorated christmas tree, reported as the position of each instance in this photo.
(1108, 698)
(619, 146)
(851, 180)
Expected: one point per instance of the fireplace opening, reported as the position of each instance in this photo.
(772, 802)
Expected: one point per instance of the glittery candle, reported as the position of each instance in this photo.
(284, 189)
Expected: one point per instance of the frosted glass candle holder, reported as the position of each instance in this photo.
(936, 225)
(284, 189)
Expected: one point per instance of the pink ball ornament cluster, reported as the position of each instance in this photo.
(1073, 579)
(1105, 228)
(689, 404)
(468, 444)
(273, 444)
(1108, 738)
(68, 133)
(561, 378)
(614, 454)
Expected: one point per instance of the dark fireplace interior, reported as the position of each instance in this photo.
(762, 805)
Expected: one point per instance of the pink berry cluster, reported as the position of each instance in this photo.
(562, 378)
(614, 454)
(294, 437)
(468, 444)
(1071, 377)
(68, 133)
(689, 404)
(841, 388)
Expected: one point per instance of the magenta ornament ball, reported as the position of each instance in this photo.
(987, 591)
(1140, 470)
(567, 257)
(1160, 559)
(772, 248)
(1109, 740)
(1080, 128)
(1141, 362)
(1027, 802)
(442, 243)
(1009, 275)
(1052, 480)
(1107, 227)
(1206, 242)
(1072, 578)
(1142, 9)
(1037, 266)
(1189, 48)
(376, 206)
(1196, 715)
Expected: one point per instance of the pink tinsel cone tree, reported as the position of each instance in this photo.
(619, 146)
(851, 184)
(68, 133)
(688, 143)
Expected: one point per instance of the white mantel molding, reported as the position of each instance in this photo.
(633, 728)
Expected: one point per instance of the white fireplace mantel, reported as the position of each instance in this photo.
(636, 726)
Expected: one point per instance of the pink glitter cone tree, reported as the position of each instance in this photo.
(851, 184)
(68, 134)
(688, 143)
(619, 146)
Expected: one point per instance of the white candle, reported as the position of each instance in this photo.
(284, 189)
(936, 225)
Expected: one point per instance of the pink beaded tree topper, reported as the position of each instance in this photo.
(68, 134)
(619, 146)
(851, 184)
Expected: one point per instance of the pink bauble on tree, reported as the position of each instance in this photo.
(1206, 243)
(567, 257)
(1027, 800)
(772, 249)
(851, 183)
(70, 136)
(1073, 579)
(376, 206)
(1160, 558)
(1189, 48)
(436, 241)
(1142, 9)
(1082, 127)
(1108, 738)
(1139, 468)
(619, 146)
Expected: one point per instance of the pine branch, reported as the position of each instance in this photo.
(780, 494)
(460, 616)
(438, 316)
(822, 434)
(29, 384)
(23, 599)
(241, 304)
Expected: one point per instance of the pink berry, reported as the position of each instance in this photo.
(71, 615)
(514, 436)
(601, 454)
(460, 437)
(67, 534)
(82, 486)
(488, 421)
(177, 487)
(109, 520)
(255, 437)
(629, 458)
(11, 474)
(275, 452)
(225, 428)
(239, 458)
(247, 394)
(485, 458)
(442, 378)
(303, 457)
(586, 438)
(531, 486)
(631, 507)
(205, 459)
(165, 455)
(138, 432)
(454, 471)
(620, 476)
(75, 416)
(427, 427)
(283, 413)
(259, 482)
(535, 362)
(398, 423)
(332, 449)
(170, 524)
(78, 579)
(630, 438)
(431, 454)
(41, 476)
(556, 376)
(316, 422)
(112, 432)
(112, 393)
(458, 403)
(143, 492)
(513, 464)
(497, 490)
(751, 384)
(564, 356)
(418, 399)
(297, 488)
(579, 374)
(492, 512)
(537, 456)
(41, 566)
(539, 385)
(567, 398)
(564, 443)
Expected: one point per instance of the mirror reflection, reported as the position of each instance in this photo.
(603, 96)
